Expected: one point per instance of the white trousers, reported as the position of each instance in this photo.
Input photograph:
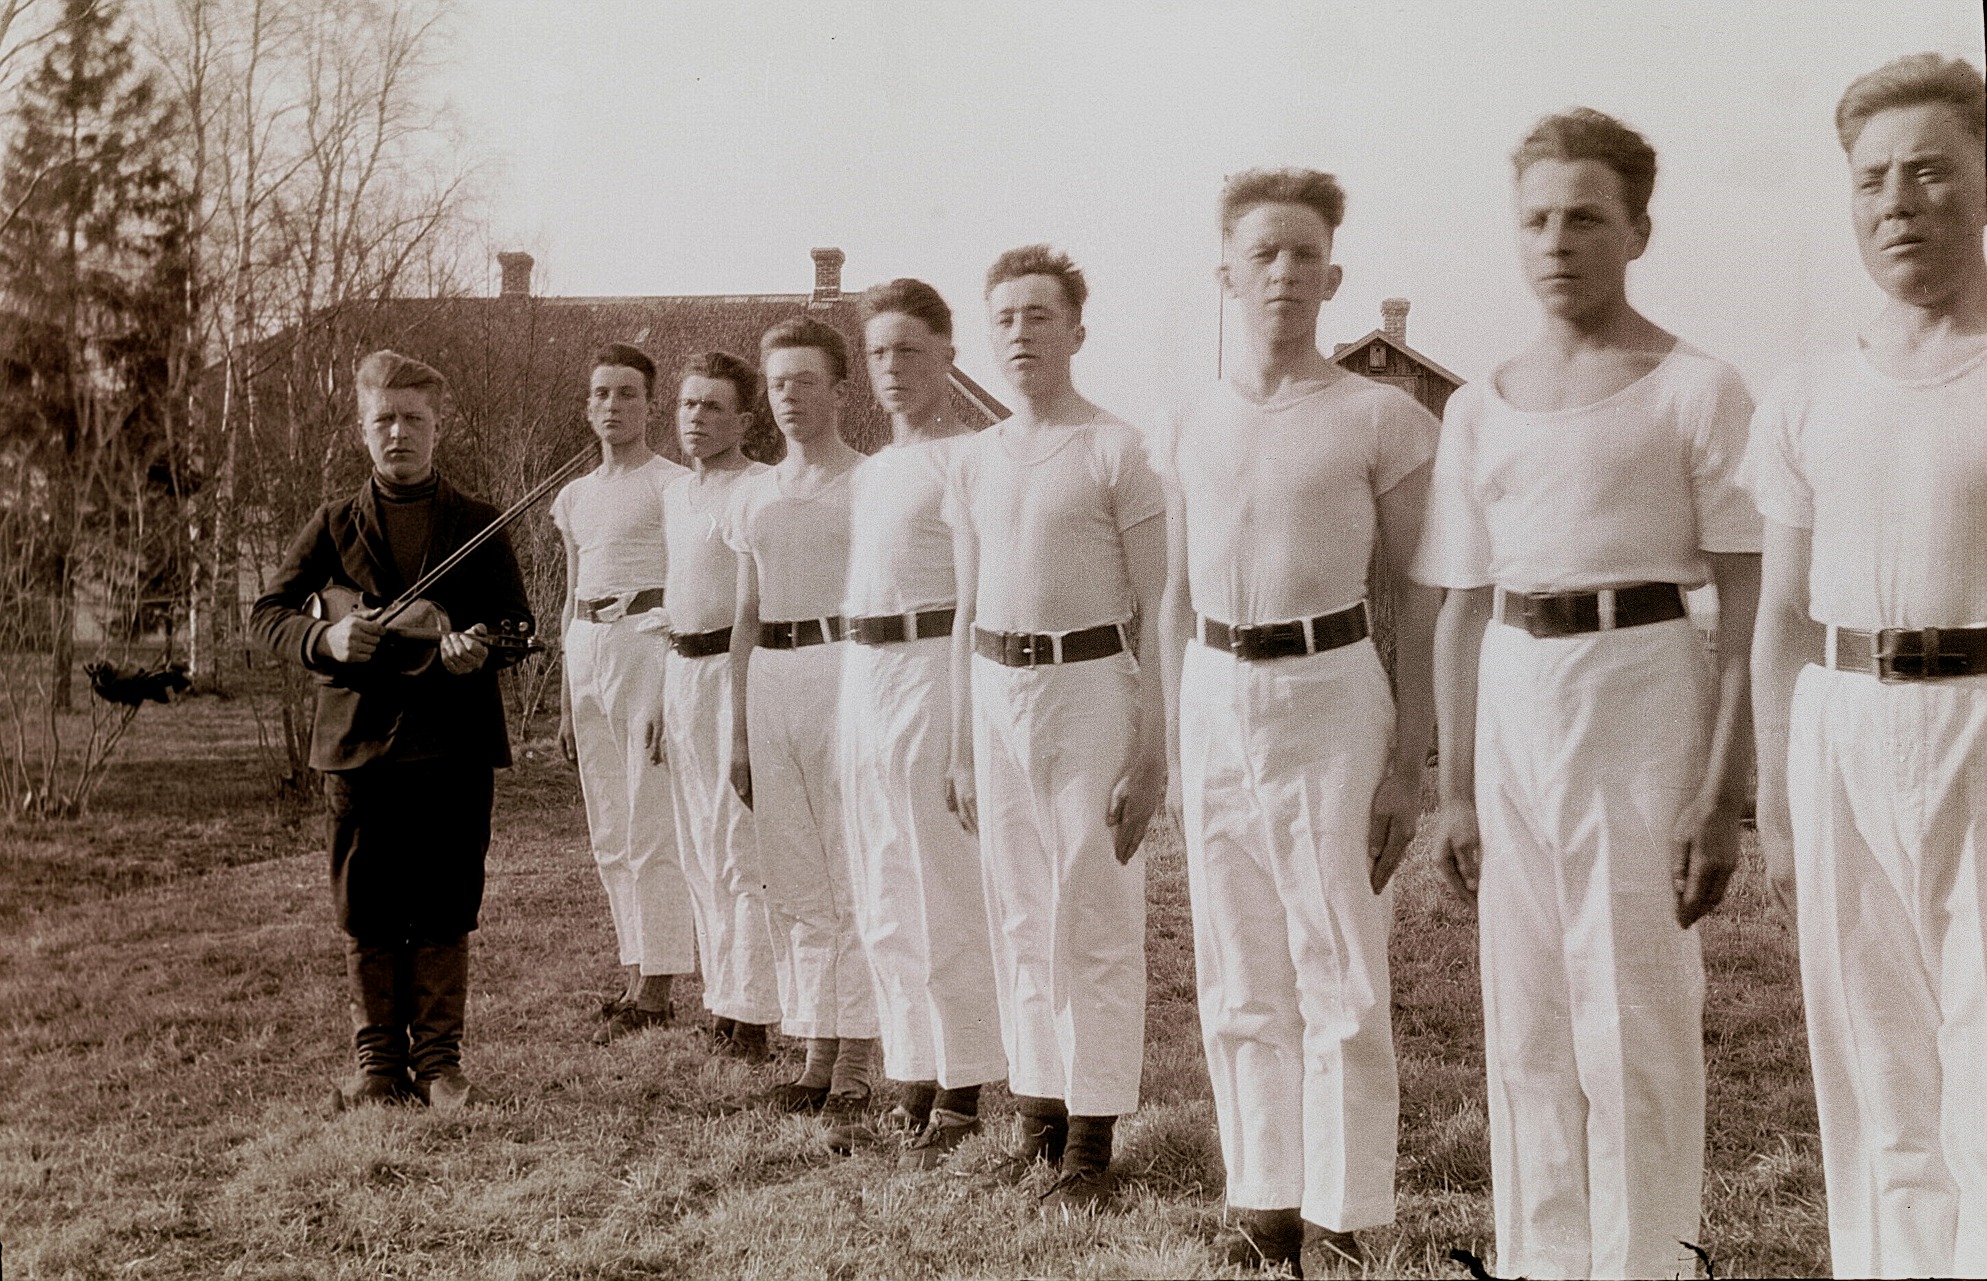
(614, 673)
(1068, 920)
(1278, 763)
(797, 811)
(1888, 786)
(1587, 749)
(720, 852)
(920, 903)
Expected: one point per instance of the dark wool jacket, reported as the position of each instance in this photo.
(362, 708)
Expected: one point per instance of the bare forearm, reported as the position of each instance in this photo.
(1781, 647)
(1459, 629)
(1175, 627)
(1415, 609)
(1737, 577)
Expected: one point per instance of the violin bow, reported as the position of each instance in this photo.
(510, 514)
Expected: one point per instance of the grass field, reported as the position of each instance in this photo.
(171, 1019)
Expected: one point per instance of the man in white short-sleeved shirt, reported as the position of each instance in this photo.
(1577, 492)
(610, 521)
(790, 528)
(916, 875)
(1058, 737)
(1298, 798)
(714, 831)
(1871, 686)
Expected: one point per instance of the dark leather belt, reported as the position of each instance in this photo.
(1038, 649)
(1576, 613)
(1259, 641)
(1897, 655)
(894, 629)
(800, 633)
(640, 603)
(701, 644)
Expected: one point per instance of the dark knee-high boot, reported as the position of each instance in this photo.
(379, 1026)
(439, 989)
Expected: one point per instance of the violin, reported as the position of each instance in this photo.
(415, 627)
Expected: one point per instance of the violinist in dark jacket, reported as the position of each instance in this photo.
(409, 728)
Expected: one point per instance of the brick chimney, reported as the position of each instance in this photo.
(516, 268)
(827, 276)
(1393, 319)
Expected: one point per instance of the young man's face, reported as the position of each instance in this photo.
(1036, 333)
(399, 426)
(1277, 261)
(1576, 236)
(617, 405)
(804, 392)
(1919, 201)
(709, 420)
(908, 363)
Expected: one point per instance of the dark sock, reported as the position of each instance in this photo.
(652, 993)
(820, 1069)
(917, 1099)
(1089, 1143)
(1041, 1108)
(964, 1101)
(723, 1029)
(855, 1064)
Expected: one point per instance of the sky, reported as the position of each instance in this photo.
(645, 147)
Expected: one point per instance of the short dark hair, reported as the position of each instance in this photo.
(806, 331)
(621, 355)
(388, 370)
(1316, 191)
(722, 365)
(1041, 260)
(1581, 133)
(907, 297)
(1908, 81)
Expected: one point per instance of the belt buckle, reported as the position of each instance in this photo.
(1017, 649)
(1239, 638)
(1895, 667)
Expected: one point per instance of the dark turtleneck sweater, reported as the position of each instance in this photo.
(408, 512)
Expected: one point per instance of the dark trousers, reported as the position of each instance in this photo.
(407, 842)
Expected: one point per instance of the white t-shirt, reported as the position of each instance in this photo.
(703, 570)
(1049, 507)
(1633, 488)
(1891, 477)
(1282, 495)
(900, 548)
(800, 543)
(615, 519)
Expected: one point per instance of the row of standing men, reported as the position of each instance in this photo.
(911, 714)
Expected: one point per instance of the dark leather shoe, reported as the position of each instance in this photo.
(451, 1091)
(931, 1146)
(1335, 1247)
(792, 1096)
(1080, 1191)
(370, 1089)
(1268, 1239)
(747, 1041)
(847, 1107)
(630, 1019)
